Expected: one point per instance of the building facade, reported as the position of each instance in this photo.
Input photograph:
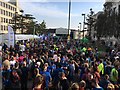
(7, 12)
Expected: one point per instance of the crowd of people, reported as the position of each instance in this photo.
(61, 65)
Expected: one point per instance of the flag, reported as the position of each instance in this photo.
(11, 38)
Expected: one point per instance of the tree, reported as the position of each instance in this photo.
(108, 24)
(100, 25)
(30, 27)
(41, 27)
(21, 22)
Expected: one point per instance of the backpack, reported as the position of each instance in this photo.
(15, 76)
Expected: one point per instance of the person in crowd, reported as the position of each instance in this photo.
(75, 86)
(6, 75)
(24, 76)
(114, 75)
(50, 64)
(82, 85)
(95, 85)
(38, 83)
(105, 81)
(64, 83)
(47, 76)
(101, 67)
(110, 87)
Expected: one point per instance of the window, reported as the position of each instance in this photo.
(4, 27)
(10, 21)
(9, 14)
(0, 11)
(13, 9)
(4, 20)
(9, 6)
(1, 19)
(3, 12)
(3, 4)
(6, 5)
(1, 27)
(0, 3)
(6, 13)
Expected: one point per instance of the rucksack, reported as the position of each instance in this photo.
(15, 76)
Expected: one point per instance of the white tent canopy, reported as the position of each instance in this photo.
(4, 37)
(25, 37)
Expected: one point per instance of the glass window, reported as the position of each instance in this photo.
(4, 20)
(4, 12)
(4, 27)
(6, 5)
(9, 14)
(1, 11)
(1, 27)
(9, 6)
(0, 3)
(10, 21)
(1, 19)
(3, 4)
(13, 9)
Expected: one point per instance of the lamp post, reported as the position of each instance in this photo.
(91, 21)
(69, 20)
(34, 29)
(83, 24)
(15, 22)
(22, 21)
(80, 29)
(15, 28)
(78, 32)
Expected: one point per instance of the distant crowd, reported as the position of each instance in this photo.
(61, 65)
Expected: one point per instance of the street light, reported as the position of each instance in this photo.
(34, 29)
(15, 28)
(21, 20)
(83, 24)
(91, 21)
(79, 29)
(69, 20)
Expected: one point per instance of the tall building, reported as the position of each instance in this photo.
(7, 12)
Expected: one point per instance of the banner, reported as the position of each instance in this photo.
(10, 36)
